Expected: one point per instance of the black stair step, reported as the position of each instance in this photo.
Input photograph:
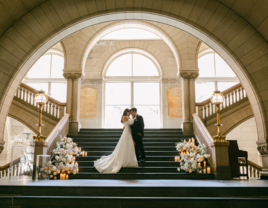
(151, 153)
(135, 176)
(134, 170)
(148, 158)
(141, 164)
(145, 130)
(175, 140)
(111, 148)
(156, 136)
(113, 144)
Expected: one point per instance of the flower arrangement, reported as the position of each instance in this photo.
(191, 156)
(63, 160)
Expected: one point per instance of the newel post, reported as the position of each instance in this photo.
(40, 149)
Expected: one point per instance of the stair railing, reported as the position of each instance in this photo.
(4, 170)
(253, 169)
(53, 107)
(203, 136)
(232, 96)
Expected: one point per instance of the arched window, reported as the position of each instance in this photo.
(214, 74)
(132, 64)
(46, 74)
(130, 91)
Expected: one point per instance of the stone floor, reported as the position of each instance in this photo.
(139, 183)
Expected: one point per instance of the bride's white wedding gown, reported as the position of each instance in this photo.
(122, 156)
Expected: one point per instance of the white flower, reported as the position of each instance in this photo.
(207, 155)
(190, 170)
(55, 173)
(53, 168)
(178, 169)
(42, 169)
(57, 157)
(51, 176)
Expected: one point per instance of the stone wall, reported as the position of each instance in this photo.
(246, 136)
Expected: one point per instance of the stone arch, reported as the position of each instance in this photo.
(123, 25)
(229, 35)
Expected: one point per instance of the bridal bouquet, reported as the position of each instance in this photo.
(63, 159)
(191, 156)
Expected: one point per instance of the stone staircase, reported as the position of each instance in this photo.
(159, 146)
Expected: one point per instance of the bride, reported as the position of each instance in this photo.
(124, 152)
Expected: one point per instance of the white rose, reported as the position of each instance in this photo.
(190, 171)
(51, 176)
(178, 169)
(57, 157)
(55, 173)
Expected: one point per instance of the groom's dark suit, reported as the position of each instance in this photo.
(138, 128)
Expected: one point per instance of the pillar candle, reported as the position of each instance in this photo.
(199, 164)
(205, 164)
(63, 176)
(208, 169)
(67, 177)
(77, 170)
(204, 170)
(55, 178)
(74, 158)
(85, 153)
(193, 140)
(176, 159)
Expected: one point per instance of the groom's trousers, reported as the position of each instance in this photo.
(139, 149)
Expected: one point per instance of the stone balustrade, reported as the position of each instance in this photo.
(232, 97)
(53, 107)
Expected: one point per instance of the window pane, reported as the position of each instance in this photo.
(118, 93)
(204, 90)
(120, 66)
(151, 115)
(39, 86)
(225, 85)
(41, 69)
(113, 116)
(222, 68)
(206, 66)
(142, 66)
(146, 93)
(58, 91)
(57, 66)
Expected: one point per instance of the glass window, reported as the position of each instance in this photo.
(204, 90)
(143, 66)
(146, 93)
(206, 66)
(58, 91)
(151, 115)
(132, 65)
(39, 86)
(47, 74)
(225, 85)
(121, 66)
(41, 68)
(113, 116)
(222, 68)
(57, 66)
(118, 93)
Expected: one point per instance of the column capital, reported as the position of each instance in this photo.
(2, 146)
(189, 75)
(263, 148)
(72, 75)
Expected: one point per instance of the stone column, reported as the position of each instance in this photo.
(188, 98)
(263, 149)
(73, 100)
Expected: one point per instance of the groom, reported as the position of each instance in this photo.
(137, 134)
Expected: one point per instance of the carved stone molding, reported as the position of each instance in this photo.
(1, 146)
(73, 75)
(189, 75)
(263, 149)
(96, 81)
(171, 81)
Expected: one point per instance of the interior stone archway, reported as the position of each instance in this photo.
(240, 51)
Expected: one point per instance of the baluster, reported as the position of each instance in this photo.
(233, 98)
(4, 173)
(34, 103)
(18, 91)
(258, 174)
(235, 92)
(22, 94)
(51, 108)
(228, 101)
(30, 98)
(201, 116)
(250, 171)
(58, 112)
(244, 93)
(209, 113)
(254, 172)
(240, 95)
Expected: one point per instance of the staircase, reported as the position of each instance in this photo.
(159, 147)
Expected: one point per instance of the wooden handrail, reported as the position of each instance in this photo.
(253, 168)
(6, 166)
(223, 92)
(36, 91)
